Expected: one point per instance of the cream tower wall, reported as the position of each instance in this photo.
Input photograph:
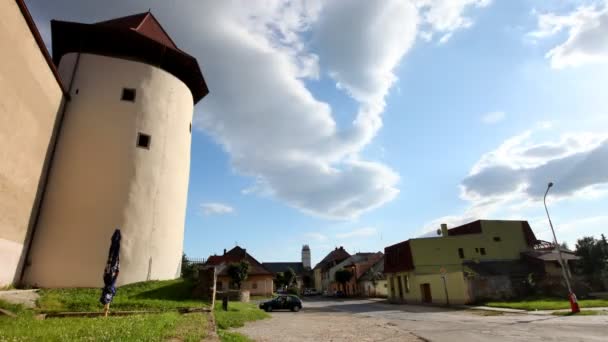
(100, 179)
(30, 101)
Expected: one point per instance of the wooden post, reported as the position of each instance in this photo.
(106, 309)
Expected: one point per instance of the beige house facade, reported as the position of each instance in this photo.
(30, 112)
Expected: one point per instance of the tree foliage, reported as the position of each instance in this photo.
(238, 272)
(593, 263)
(343, 276)
(187, 269)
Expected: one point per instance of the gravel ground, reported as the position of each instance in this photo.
(310, 325)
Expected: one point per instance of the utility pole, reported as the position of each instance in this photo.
(571, 296)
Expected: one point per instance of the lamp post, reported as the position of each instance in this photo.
(571, 296)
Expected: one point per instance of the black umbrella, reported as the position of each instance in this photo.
(111, 272)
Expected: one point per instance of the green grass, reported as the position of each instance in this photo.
(236, 316)
(152, 327)
(581, 313)
(229, 336)
(547, 303)
(152, 295)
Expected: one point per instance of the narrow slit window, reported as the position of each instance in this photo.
(143, 140)
(128, 94)
(497, 238)
(482, 251)
(461, 253)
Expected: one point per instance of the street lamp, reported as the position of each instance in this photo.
(571, 296)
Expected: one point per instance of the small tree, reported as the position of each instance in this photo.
(279, 280)
(290, 276)
(343, 276)
(187, 269)
(238, 272)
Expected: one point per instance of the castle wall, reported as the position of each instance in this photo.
(31, 99)
(100, 179)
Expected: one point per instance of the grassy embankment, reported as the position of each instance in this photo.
(164, 296)
(546, 303)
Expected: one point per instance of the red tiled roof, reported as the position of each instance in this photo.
(398, 258)
(237, 254)
(139, 37)
(144, 23)
(335, 256)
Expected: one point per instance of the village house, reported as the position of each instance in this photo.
(481, 259)
(259, 281)
(357, 265)
(373, 281)
(301, 269)
(321, 270)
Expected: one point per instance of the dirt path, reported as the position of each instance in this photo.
(309, 325)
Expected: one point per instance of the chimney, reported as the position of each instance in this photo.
(224, 251)
(444, 230)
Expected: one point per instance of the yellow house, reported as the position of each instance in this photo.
(445, 269)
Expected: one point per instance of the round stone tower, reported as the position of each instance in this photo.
(306, 257)
(122, 158)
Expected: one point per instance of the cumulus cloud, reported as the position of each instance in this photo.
(493, 117)
(213, 208)
(587, 35)
(257, 58)
(358, 233)
(515, 175)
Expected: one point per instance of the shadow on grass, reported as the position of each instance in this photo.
(176, 291)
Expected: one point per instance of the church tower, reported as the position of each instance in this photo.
(306, 257)
(123, 154)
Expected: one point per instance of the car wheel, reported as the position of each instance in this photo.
(296, 308)
(268, 308)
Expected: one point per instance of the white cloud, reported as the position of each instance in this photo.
(214, 208)
(358, 233)
(446, 16)
(514, 176)
(587, 36)
(257, 57)
(493, 117)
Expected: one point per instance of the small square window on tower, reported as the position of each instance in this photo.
(128, 94)
(143, 140)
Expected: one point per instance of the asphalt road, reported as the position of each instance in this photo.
(425, 322)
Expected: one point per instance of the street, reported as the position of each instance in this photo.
(327, 319)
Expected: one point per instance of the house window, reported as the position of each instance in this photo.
(407, 283)
(461, 253)
(254, 285)
(497, 238)
(219, 285)
(128, 94)
(143, 140)
(385, 285)
(482, 251)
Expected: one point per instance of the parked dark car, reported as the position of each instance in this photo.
(282, 302)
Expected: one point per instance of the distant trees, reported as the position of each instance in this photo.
(342, 277)
(593, 263)
(238, 272)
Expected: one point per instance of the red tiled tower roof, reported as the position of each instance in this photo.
(139, 37)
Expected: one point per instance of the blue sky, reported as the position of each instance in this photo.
(365, 123)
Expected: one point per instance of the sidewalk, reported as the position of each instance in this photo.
(520, 311)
